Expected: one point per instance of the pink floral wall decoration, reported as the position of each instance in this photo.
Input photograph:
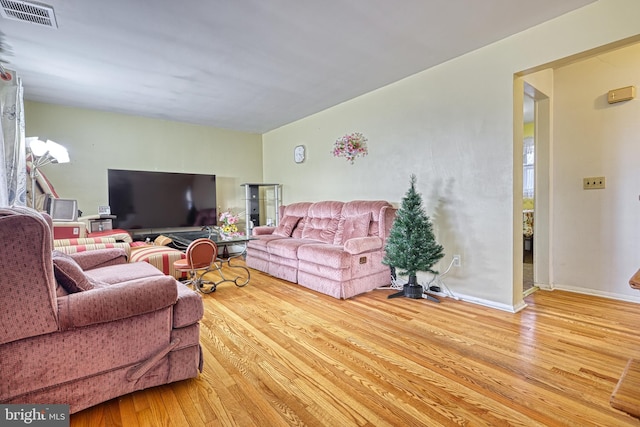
(351, 146)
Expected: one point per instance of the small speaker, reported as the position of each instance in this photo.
(63, 209)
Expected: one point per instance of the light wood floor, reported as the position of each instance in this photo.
(277, 354)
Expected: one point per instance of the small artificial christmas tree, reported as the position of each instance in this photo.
(412, 246)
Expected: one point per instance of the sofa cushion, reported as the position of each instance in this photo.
(69, 274)
(287, 248)
(297, 231)
(352, 227)
(323, 229)
(123, 272)
(321, 222)
(375, 207)
(261, 242)
(299, 210)
(99, 258)
(286, 226)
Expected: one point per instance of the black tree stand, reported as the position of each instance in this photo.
(412, 289)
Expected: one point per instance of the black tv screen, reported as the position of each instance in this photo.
(144, 200)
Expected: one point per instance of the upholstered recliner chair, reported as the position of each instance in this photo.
(83, 331)
(328, 246)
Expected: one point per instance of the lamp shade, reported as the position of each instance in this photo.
(50, 151)
(37, 147)
(57, 151)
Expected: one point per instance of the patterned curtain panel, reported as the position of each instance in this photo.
(13, 175)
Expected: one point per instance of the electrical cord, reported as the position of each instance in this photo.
(440, 283)
(396, 285)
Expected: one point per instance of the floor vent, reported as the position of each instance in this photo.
(35, 13)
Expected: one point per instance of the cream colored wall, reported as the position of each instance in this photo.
(596, 231)
(453, 126)
(98, 141)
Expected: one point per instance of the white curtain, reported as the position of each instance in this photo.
(13, 168)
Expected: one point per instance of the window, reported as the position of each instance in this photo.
(528, 161)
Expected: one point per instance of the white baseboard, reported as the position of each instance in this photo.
(493, 304)
(485, 303)
(522, 305)
(593, 292)
(542, 286)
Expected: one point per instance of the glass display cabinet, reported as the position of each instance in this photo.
(262, 204)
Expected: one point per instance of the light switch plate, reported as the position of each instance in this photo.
(593, 183)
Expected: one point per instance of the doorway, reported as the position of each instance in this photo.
(536, 183)
(528, 193)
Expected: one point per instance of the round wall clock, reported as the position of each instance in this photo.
(299, 154)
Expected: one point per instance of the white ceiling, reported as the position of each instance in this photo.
(248, 65)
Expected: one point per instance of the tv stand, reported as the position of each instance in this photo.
(182, 239)
(151, 234)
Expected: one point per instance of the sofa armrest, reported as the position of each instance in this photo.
(263, 230)
(82, 241)
(189, 308)
(94, 246)
(359, 245)
(116, 302)
(99, 258)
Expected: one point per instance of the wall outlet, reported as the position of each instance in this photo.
(456, 261)
(593, 183)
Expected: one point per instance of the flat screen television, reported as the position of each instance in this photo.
(161, 201)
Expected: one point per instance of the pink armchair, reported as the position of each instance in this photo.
(84, 330)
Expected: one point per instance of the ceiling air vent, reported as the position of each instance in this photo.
(35, 13)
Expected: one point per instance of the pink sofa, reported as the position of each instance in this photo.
(331, 247)
(83, 328)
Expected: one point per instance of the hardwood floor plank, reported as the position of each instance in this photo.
(267, 355)
(195, 397)
(278, 354)
(127, 411)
